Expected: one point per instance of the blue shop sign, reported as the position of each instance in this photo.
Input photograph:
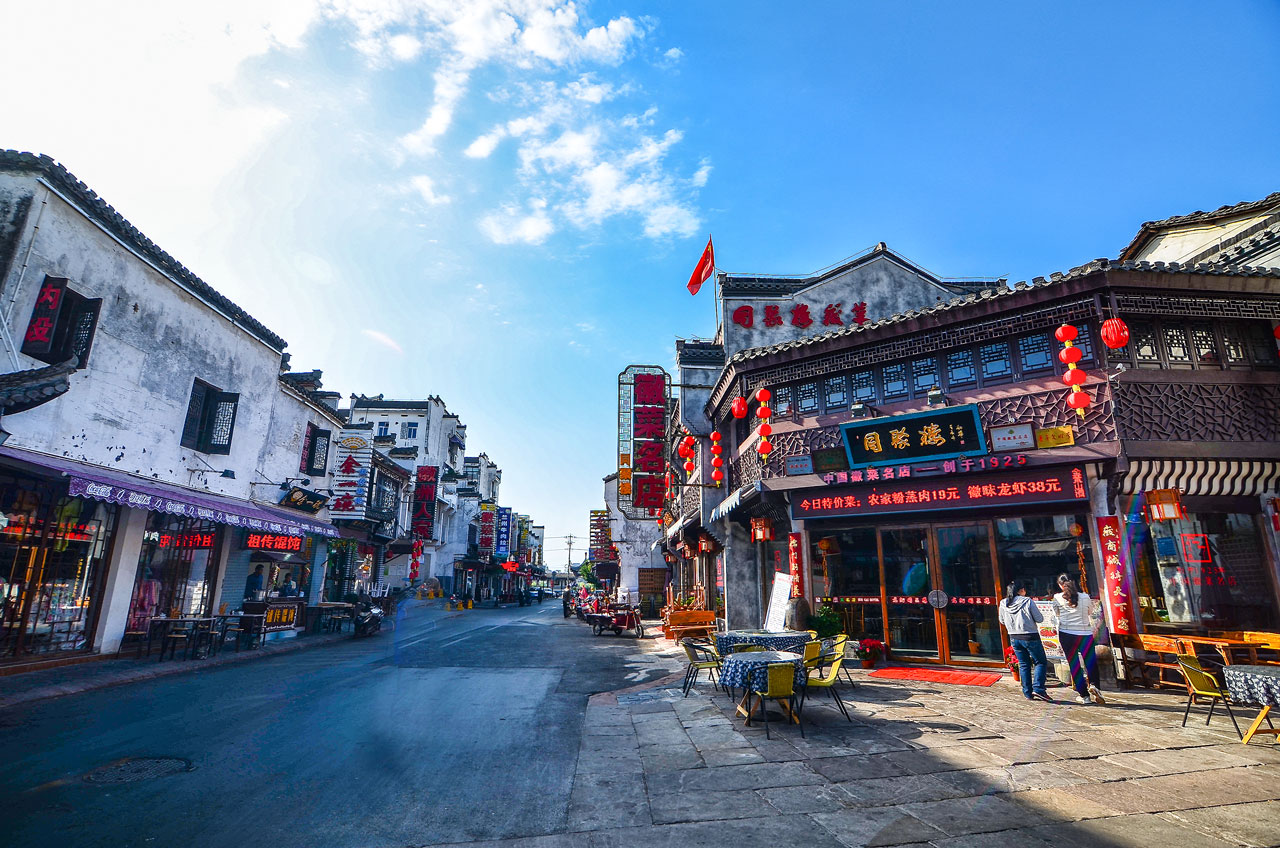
(949, 433)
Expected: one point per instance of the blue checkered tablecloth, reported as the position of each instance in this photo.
(785, 640)
(1253, 684)
(750, 670)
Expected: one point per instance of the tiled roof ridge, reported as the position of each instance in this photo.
(1227, 211)
(119, 226)
(1056, 278)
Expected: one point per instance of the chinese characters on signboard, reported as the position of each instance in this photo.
(795, 562)
(601, 537)
(353, 453)
(946, 466)
(488, 529)
(1032, 486)
(952, 432)
(423, 522)
(1115, 576)
(642, 436)
(273, 542)
(799, 315)
(502, 533)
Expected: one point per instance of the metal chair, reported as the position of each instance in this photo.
(829, 684)
(780, 686)
(700, 659)
(1201, 683)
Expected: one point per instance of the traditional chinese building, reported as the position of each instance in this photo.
(151, 438)
(923, 458)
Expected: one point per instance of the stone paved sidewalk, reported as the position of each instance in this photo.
(922, 764)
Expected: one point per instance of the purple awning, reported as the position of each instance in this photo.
(113, 486)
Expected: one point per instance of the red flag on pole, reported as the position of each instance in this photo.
(706, 265)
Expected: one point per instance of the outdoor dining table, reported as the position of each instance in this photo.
(779, 640)
(750, 671)
(1255, 684)
(168, 624)
(255, 622)
(1226, 648)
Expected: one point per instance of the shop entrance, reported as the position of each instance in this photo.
(940, 585)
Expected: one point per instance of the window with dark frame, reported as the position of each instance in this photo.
(408, 429)
(384, 429)
(864, 386)
(210, 420)
(807, 398)
(835, 393)
(996, 363)
(1146, 344)
(315, 451)
(895, 380)
(782, 404)
(924, 375)
(1036, 354)
(62, 324)
(1084, 341)
(960, 370)
(1204, 346)
(1176, 348)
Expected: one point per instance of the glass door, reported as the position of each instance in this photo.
(911, 624)
(966, 574)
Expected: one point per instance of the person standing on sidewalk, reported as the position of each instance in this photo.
(1075, 630)
(1021, 617)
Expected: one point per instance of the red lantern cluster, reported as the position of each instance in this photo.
(1115, 333)
(687, 453)
(1074, 377)
(716, 460)
(764, 413)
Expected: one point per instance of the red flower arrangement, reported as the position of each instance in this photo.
(1011, 660)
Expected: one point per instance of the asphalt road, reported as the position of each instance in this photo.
(454, 727)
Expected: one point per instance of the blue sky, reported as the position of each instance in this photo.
(499, 201)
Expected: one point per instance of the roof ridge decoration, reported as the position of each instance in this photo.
(1199, 216)
(118, 225)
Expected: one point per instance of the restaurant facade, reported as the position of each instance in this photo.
(922, 459)
(152, 434)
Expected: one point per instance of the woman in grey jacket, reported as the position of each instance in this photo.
(1021, 617)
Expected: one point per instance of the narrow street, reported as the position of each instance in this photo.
(457, 726)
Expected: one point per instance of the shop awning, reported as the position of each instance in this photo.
(113, 486)
(1237, 477)
(726, 507)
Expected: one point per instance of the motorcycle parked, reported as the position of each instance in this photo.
(368, 618)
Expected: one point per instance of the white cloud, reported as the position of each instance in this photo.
(485, 144)
(703, 173)
(425, 187)
(383, 339)
(511, 225)
(675, 54)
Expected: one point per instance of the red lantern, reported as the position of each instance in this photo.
(762, 396)
(689, 466)
(1079, 400)
(689, 441)
(1276, 331)
(716, 449)
(764, 447)
(717, 475)
(716, 462)
(764, 412)
(715, 436)
(1069, 355)
(1074, 376)
(1115, 333)
(766, 429)
(739, 407)
(1065, 333)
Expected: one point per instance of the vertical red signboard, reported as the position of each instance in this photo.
(795, 557)
(648, 438)
(424, 502)
(39, 338)
(1115, 576)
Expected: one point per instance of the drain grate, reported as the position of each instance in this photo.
(138, 768)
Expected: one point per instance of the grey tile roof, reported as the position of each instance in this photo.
(23, 390)
(1228, 211)
(114, 222)
(1057, 278)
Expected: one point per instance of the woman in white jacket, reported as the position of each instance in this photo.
(1075, 632)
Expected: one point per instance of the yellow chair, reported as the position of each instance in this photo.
(812, 654)
(1201, 683)
(813, 634)
(700, 659)
(829, 684)
(781, 686)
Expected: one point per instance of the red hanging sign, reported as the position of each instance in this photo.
(795, 558)
(1115, 576)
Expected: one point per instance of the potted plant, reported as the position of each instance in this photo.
(1011, 660)
(868, 651)
(826, 622)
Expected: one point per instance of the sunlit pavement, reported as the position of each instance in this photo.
(481, 728)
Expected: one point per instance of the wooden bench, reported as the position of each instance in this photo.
(1154, 658)
(681, 623)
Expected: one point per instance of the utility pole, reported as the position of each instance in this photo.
(568, 567)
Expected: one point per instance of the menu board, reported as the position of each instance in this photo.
(777, 612)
